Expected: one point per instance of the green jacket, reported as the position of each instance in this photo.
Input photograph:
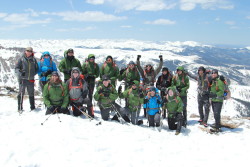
(106, 101)
(56, 95)
(173, 106)
(66, 64)
(90, 69)
(130, 75)
(111, 70)
(217, 88)
(182, 82)
(134, 101)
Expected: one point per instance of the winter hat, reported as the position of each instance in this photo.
(54, 73)
(45, 53)
(215, 71)
(105, 78)
(151, 88)
(131, 62)
(137, 83)
(70, 50)
(109, 57)
(91, 56)
(164, 69)
(202, 68)
(75, 69)
(180, 68)
(30, 49)
(173, 88)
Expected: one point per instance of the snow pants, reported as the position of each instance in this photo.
(154, 120)
(78, 108)
(217, 106)
(23, 84)
(184, 100)
(175, 123)
(105, 111)
(203, 102)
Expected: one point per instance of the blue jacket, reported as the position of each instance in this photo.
(44, 65)
(153, 106)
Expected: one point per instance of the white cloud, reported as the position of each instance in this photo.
(217, 19)
(126, 26)
(76, 29)
(91, 16)
(24, 19)
(140, 5)
(188, 5)
(230, 23)
(3, 15)
(95, 2)
(161, 22)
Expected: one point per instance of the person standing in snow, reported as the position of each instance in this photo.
(55, 95)
(67, 63)
(217, 97)
(106, 95)
(110, 69)
(91, 71)
(203, 89)
(173, 103)
(78, 93)
(148, 74)
(45, 67)
(135, 98)
(152, 104)
(181, 82)
(26, 68)
(163, 82)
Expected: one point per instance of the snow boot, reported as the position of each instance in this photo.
(115, 118)
(140, 122)
(215, 130)
(177, 132)
(20, 103)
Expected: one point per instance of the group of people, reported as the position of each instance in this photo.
(162, 97)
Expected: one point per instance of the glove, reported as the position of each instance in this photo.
(160, 58)
(146, 101)
(141, 95)
(100, 91)
(138, 57)
(122, 70)
(119, 89)
(158, 101)
(222, 78)
(22, 72)
(63, 110)
(67, 71)
(48, 73)
(212, 95)
(178, 89)
(106, 94)
(51, 108)
(78, 104)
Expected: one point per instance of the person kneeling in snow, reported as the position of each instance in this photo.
(174, 106)
(78, 93)
(135, 98)
(55, 95)
(106, 95)
(152, 104)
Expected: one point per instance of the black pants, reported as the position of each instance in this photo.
(175, 123)
(154, 120)
(23, 84)
(203, 103)
(76, 107)
(217, 106)
(91, 87)
(42, 83)
(105, 111)
(57, 109)
(184, 101)
(163, 94)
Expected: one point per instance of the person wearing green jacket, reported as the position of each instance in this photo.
(217, 97)
(91, 71)
(181, 82)
(106, 95)
(67, 63)
(173, 104)
(110, 69)
(55, 95)
(135, 98)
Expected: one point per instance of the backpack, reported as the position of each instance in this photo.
(227, 92)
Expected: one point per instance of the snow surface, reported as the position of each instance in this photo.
(76, 141)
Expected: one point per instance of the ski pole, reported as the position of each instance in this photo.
(84, 113)
(49, 116)
(58, 116)
(21, 98)
(117, 113)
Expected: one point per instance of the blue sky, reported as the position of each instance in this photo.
(206, 21)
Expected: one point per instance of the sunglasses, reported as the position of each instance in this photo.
(28, 51)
